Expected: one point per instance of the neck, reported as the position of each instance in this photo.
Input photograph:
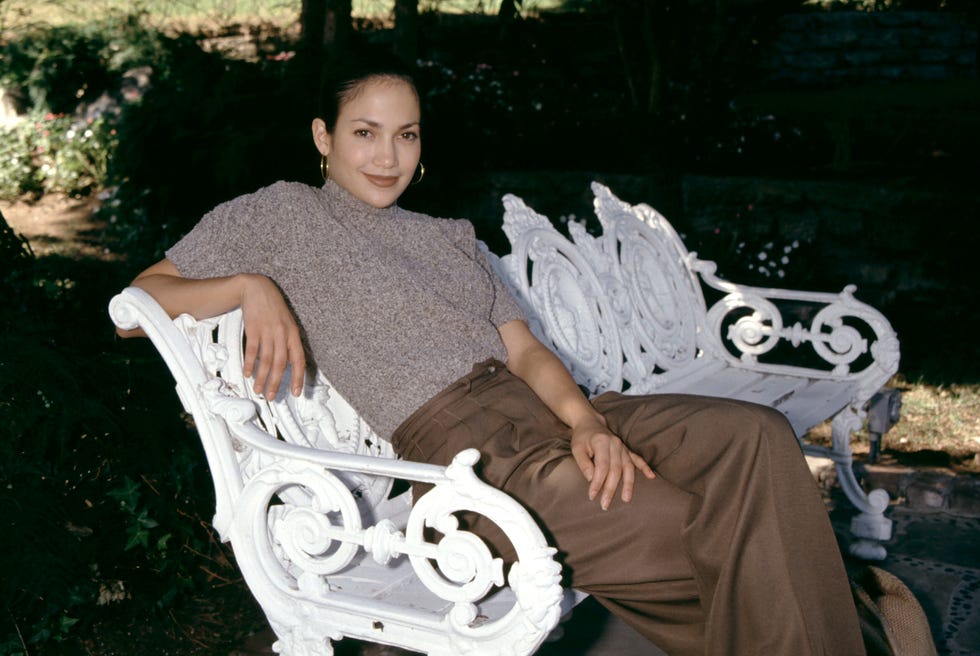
(351, 203)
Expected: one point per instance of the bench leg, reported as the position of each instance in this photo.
(292, 642)
(870, 527)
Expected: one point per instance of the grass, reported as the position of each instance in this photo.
(943, 418)
(15, 14)
(939, 427)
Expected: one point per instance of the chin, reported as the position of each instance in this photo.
(383, 198)
(378, 201)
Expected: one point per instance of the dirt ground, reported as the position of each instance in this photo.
(58, 225)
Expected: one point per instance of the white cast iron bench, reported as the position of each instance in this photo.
(626, 311)
(303, 486)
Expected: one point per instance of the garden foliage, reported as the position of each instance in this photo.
(104, 494)
(104, 502)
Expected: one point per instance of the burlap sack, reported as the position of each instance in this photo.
(892, 621)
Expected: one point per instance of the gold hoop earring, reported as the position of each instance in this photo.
(324, 167)
(421, 174)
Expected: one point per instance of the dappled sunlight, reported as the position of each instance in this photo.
(157, 118)
(939, 426)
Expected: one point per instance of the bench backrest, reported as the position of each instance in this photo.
(622, 308)
(626, 311)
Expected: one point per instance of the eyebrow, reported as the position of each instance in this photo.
(375, 124)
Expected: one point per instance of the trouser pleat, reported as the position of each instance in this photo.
(728, 550)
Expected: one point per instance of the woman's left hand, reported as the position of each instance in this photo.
(606, 462)
(603, 457)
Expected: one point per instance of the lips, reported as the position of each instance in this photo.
(382, 180)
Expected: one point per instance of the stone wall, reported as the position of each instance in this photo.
(881, 235)
(821, 49)
(891, 238)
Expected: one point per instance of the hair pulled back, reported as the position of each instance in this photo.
(342, 81)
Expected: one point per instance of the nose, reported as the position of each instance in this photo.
(384, 154)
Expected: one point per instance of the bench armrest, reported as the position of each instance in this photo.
(296, 548)
(310, 543)
(850, 338)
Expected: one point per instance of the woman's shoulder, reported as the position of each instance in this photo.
(286, 190)
(273, 194)
(448, 225)
(275, 200)
(458, 231)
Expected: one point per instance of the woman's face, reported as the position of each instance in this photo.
(375, 147)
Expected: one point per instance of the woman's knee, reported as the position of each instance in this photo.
(753, 427)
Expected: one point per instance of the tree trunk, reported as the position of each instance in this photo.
(407, 30)
(508, 10)
(326, 25)
(339, 26)
(312, 18)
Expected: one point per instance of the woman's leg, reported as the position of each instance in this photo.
(767, 566)
(728, 551)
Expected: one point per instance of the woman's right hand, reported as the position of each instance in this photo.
(272, 335)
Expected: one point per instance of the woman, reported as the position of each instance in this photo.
(727, 549)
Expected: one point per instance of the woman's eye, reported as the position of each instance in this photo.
(362, 133)
(410, 136)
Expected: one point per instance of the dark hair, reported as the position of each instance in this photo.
(343, 80)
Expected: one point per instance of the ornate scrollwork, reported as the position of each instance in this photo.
(460, 567)
(321, 538)
(664, 324)
(840, 344)
(567, 287)
(299, 548)
(830, 334)
(617, 307)
(755, 333)
(670, 339)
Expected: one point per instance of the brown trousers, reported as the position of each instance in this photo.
(728, 551)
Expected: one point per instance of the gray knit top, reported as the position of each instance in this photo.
(394, 305)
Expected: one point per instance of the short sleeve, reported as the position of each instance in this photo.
(232, 238)
(504, 308)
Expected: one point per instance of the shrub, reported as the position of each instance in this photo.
(72, 78)
(59, 68)
(209, 129)
(55, 153)
(103, 495)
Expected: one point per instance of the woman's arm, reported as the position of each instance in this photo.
(272, 336)
(601, 455)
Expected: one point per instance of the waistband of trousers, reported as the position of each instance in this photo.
(402, 438)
